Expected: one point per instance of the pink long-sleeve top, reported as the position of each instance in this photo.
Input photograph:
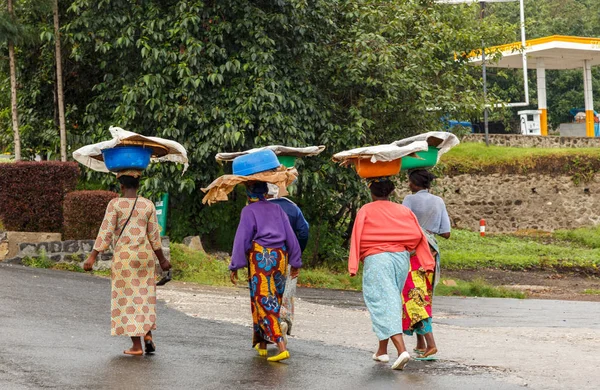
(384, 226)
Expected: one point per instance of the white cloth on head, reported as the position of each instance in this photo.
(273, 190)
(277, 149)
(442, 140)
(377, 153)
(85, 155)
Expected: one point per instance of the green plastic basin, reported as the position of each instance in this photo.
(287, 161)
(427, 159)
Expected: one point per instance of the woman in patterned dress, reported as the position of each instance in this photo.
(264, 242)
(137, 246)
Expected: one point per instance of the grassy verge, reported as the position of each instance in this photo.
(580, 163)
(43, 262)
(467, 250)
(197, 267)
(591, 291)
(477, 288)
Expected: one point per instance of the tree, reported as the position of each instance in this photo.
(13, 87)
(59, 85)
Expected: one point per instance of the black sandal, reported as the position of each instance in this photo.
(149, 346)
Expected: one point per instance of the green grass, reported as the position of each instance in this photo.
(479, 154)
(42, 261)
(467, 250)
(197, 267)
(477, 288)
(591, 291)
(580, 163)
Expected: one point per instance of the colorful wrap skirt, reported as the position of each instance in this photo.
(417, 294)
(267, 269)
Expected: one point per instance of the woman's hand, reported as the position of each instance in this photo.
(294, 273)
(234, 277)
(166, 265)
(88, 265)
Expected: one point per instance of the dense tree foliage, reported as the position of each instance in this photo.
(233, 74)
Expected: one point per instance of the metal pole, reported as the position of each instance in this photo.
(485, 105)
(524, 55)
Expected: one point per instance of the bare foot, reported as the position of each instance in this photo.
(430, 352)
(134, 352)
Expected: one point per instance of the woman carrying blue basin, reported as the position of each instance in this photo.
(264, 242)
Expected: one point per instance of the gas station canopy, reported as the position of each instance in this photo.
(553, 52)
(557, 52)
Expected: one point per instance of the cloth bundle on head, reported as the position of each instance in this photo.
(129, 172)
(222, 186)
(277, 149)
(379, 153)
(91, 155)
(442, 140)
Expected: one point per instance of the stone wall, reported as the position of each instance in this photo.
(528, 141)
(75, 251)
(516, 202)
(9, 241)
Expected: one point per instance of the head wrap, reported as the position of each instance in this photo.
(256, 191)
(382, 179)
(273, 190)
(130, 172)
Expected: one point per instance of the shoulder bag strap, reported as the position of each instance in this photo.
(126, 222)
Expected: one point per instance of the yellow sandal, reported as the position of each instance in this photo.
(282, 356)
(261, 352)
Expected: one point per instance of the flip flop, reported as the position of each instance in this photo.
(149, 346)
(419, 351)
(426, 358)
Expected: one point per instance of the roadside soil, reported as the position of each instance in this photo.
(536, 284)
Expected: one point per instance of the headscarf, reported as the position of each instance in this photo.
(256, 191)
(382, 179)
(273, 190)
(130, 172)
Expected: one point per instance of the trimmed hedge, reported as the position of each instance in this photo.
(32, 194)
(84, 211)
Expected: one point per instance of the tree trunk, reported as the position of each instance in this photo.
(13, 91)
(59, 82)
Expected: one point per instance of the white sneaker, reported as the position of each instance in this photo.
(381, 358)
(401, 362)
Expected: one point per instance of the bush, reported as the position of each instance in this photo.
(84, 211)
(32, 194)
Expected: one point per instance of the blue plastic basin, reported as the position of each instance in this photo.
(126, 157)
(256, 162)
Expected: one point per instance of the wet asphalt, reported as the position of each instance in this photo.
(483, 312)
(55, 334)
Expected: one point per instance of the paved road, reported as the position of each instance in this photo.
(54, 334)
(484, 312)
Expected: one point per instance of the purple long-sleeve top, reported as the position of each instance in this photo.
(268, 225)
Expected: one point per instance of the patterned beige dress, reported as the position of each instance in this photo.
(133, 303)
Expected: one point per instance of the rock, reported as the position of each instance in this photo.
(194, 243)
(449, 283)
(70, 246)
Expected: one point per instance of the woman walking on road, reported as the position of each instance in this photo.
(383, 235)
(431, 213)
(131, 227)
(264, 242)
